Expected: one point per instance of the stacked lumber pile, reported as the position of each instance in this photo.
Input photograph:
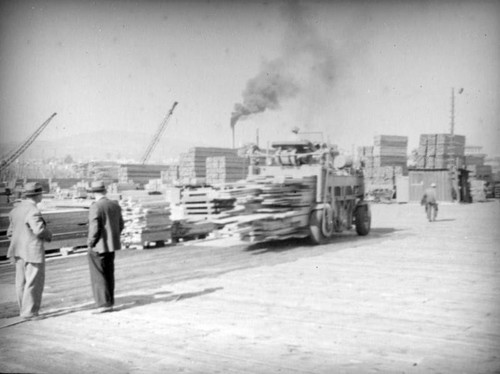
(226, 169)
(204, 202)
(440, 151)
(384, 161)
(139, 173)
(271, 208)
(69, 228)
(170, 175)
(478, 190)
(193, 165)
(147, 219)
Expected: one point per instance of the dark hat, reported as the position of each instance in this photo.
(32, 189)
(97, 186)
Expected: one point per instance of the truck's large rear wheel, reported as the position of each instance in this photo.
(363, 220)
(321, 225)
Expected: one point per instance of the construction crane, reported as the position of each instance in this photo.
(5, 163)
(157, 136)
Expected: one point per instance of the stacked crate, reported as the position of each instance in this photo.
(440, 151)
(225, 169)
(193, 164)
(139, 173)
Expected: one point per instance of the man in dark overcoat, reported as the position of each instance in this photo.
(105, 226)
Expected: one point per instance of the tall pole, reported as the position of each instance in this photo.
(452, 124)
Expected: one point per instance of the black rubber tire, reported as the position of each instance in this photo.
(363, 221)
(315, 224)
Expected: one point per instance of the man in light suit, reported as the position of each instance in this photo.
(105, 226)
(28, 232)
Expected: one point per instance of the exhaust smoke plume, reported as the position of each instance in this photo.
(265, 91)
(306, 66)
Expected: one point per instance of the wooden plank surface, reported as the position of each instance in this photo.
(412, 297)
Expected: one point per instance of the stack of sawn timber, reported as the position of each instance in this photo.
(193, 165)
(385, 160)
(204, 202)
(147, 219)
(139, 173)
(69, 228)
(226, 169)
(440, 151)
(271, 208)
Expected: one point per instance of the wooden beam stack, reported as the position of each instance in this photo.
(440, 151)
(192, 165)
(147, 219)
(139, 173)
(226, 169)
(272, 208)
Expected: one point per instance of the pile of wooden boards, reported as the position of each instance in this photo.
(384, 161)
(69, 228)
(170, 175)
(204, 202)
(147, 219)
(226, 169)
(270, 208)
(440, 151)
(193, 164)
(139, 173)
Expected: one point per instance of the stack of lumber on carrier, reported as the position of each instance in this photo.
(139, 173)
(440, 151)
(193, 164)
(69, 228)
(204, 202)
(384, 162)
(226, 169)
(271, 208)
(147, 219)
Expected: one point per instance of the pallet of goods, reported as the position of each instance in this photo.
(147, 220)
(271, 208)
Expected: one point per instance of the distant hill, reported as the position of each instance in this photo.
(110, 145)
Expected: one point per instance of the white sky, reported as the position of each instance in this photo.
(109, 65)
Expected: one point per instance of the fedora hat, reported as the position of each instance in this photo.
(32, 189)
(97, 186)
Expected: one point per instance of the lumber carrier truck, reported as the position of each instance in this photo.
(339, 190)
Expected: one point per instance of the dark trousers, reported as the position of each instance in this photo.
(102, 277)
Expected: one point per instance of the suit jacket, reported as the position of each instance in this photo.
(105, 226)
(27, 232)
(429, 196)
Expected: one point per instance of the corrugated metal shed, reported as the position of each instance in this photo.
(420, 180)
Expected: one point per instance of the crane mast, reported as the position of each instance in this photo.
(5, 163)
(157, 135)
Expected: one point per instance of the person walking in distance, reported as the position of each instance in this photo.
(28, 233)
(430, 201)
(105, 227)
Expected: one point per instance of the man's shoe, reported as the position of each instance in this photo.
(104, 309)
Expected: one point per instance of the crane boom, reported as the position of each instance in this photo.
(157, 135)
(20, 150)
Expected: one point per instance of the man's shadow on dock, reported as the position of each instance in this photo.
(132, 301)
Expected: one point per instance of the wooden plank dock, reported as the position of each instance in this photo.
(412, 297)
